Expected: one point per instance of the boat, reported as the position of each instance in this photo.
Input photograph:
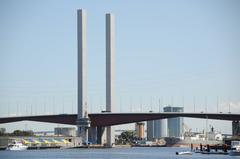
(16, 146)
(235, 148)
(184, 153)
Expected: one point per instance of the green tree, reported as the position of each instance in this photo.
(22, 133)
(126, 137)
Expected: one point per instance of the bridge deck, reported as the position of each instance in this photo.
(108, 119)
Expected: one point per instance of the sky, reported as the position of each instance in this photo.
(175, 52)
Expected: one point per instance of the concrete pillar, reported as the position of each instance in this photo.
(92, 135)
(100, 131)
(110, 73)
(236, 128)
(82, 117)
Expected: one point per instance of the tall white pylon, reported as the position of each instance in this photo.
(82, 117)
(110, 73)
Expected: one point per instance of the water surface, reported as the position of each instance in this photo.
(113, 153)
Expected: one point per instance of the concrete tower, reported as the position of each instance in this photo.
(82, 117)
(110, 72)
(139, 127)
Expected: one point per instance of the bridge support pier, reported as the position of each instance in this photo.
(92, 135)
(236, 128)
(83, 125)
(100, 131)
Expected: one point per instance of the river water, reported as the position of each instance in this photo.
(113, 153)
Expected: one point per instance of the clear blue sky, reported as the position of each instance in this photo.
(169, 50)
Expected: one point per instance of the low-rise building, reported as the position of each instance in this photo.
(65, 131)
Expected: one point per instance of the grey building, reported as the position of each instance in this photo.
(163, 128)
(2, 130)
(157, 129)
(65, 131)
(174, 125)
(150, 130)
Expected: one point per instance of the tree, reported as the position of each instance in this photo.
(22, 133)
(126, 137)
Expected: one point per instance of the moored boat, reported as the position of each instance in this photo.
(16, 146)
(235, 148)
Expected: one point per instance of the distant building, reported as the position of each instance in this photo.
(150, 130)
(2, 130)
(65, 131)
(44, 133)
(156, 129)
(140, 130)
(160, 128)
(174, 125)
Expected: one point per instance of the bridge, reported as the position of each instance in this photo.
(101, 120)
(107, 119)
(110, 119)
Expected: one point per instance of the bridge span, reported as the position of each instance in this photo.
(109, 119)
(101, 120)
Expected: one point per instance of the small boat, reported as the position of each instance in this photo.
(235, 148)
(16, 146)
(184, 153)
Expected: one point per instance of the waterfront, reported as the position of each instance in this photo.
(113, 153)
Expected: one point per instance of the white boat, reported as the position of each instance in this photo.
(184, 153)
(235, 148)
(16, 146)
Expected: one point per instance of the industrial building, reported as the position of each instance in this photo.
(140, 130)
(161, 129)
(150, 129)
(174, 125)
(65, 131)
(157, 129)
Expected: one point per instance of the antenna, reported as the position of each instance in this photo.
(229, 110)
(120, 103)
(159, 104)
(131, 104)
(205, 104)
(44, 111)
(31, 109)
(17, 108)
(172, 101)
(26, 110)
(36, 109)
(8, 107)
(194, 104)
(183, 101)
(72, 104)
(63, 105)
(141, 104)
(53, 105)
